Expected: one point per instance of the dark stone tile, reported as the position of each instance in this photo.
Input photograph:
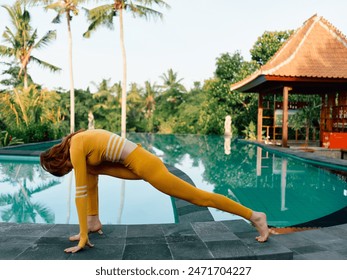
(339, 232)
(106, 239)
(44, 252)
(117, 231)
(190, 208)
(315, 235)
(333, 244)
(195, 250)
(213, 231)
(230, 250)
(100, 252)
(174, 238)
(180, 233)
(182, 228)
(308, 249)
(9, 251)
(62, 231)
(200, 216)
(28, 229)
(146, 240)
(292, 240)
(147, 252)
(5, 227)
(343, 226)
(247, 235)
(25, 240)
(181, 203)
(239, 226)
(53, 240)
(144, 230)
(270, 250)
(323, 255)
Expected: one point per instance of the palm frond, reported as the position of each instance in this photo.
(38, 2)
(56, 19)
(46, 39)
(58, 6)
(143, 11)
(99, 16)
(44, 64)
(6, 51)
(159, 3)
(9, 36)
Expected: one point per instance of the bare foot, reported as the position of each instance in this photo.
(94, 224)
(258, 219)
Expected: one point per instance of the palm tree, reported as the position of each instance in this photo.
(22, 40)
(151, 93)
(171, 81)
(103, 16)
(67, 8)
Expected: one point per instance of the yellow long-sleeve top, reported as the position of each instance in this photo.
(91, 148)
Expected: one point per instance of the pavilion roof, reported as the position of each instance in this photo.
(316, 50)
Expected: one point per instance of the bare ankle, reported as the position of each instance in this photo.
(94, 223)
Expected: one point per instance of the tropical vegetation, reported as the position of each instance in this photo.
(31, 113)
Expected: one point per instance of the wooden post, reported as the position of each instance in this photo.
(331, 106)
(323, 118)
(285, 117)
(260, 117)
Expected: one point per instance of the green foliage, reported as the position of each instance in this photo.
(268, 44)
(250, 131)
(8, 140)
(36, 132)
(11, 75)
(233, 68)
(32, 114)
(221, 102)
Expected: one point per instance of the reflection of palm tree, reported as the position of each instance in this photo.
(121, 204)
(22, 208)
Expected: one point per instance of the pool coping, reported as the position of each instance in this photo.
(196, 237)
(302, 155)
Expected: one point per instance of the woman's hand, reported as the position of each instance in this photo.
(75, 249)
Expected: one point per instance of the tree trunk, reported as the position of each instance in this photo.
(124, 81)
(25, 79)
(72, 88)
(307, 135)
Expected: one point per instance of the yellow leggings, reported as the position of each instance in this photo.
(141, 164)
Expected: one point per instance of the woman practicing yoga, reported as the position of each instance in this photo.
(94, 152)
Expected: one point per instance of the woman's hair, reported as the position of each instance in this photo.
(56, 160)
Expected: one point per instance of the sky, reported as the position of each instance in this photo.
(188, 40)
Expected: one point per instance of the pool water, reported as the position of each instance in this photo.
(29, 194)
(291, 192)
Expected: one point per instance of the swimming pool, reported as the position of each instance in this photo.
(291, 192)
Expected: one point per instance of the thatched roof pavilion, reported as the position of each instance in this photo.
(312, 61)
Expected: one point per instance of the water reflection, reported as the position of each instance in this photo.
(17, 204)
(290, 192)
